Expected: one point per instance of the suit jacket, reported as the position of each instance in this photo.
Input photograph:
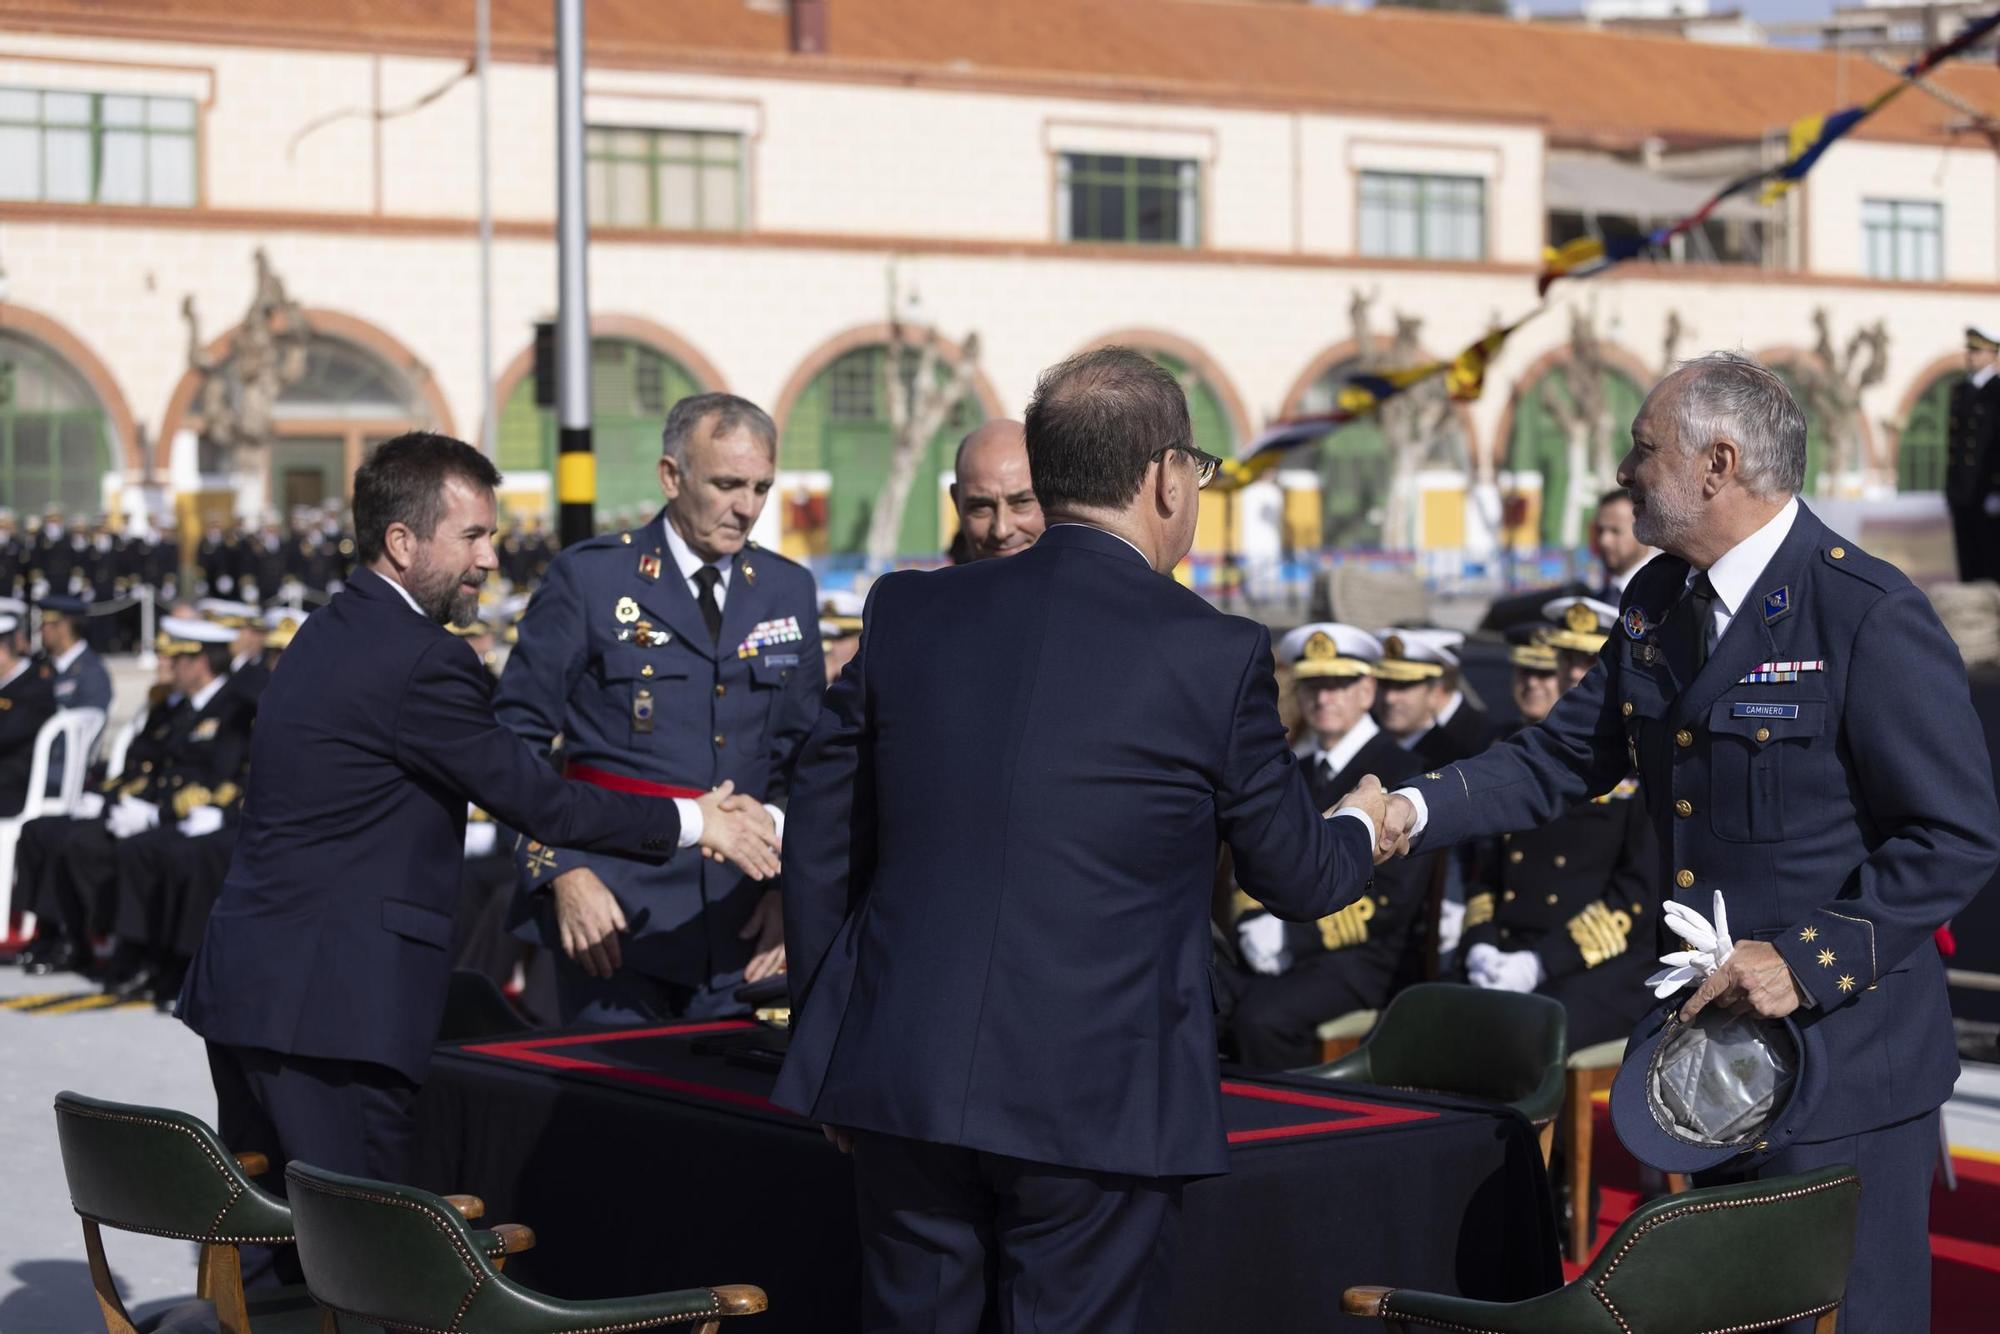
(330, 934)
(1843, 807)
(1468, 733)
(668, 706)
(1000, 853)
(26, 703)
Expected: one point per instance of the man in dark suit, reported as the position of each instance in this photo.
(26, 702)
(1972, 459)
(1291, 977)
(1000, 970)
(1806, 744)
(321, 977)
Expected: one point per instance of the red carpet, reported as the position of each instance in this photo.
(1965, 1232)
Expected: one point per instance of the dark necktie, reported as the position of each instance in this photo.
(1701, 610)
(1326, 774)
(706, 578)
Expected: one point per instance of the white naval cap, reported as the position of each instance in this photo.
(1329, 648)
(1583, 623)
(185, 634)
(1417, 654)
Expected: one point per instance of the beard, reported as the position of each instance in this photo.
(441, 592)
(1664, 517)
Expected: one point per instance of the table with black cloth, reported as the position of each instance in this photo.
(650, 1159)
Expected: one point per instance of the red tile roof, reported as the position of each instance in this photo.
(1586, 86)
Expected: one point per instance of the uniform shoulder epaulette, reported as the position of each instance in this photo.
(1871, 570)
(601, 542)
(770, 555)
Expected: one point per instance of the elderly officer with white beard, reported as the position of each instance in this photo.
(669, 658)
(1806, 745)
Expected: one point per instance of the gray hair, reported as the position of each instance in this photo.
(731, 414)
(1726, 395)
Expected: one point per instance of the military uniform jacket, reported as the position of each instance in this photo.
(1469, 732)
(205, 757)
(1581, 893)
(148, 749)
(1972, 464)
(613, 656)
(1823, 770)
(26, 703)
(84, 684)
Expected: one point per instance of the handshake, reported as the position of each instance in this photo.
(736, 827)
(1395, 818)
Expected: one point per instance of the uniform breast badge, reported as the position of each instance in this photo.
(1777, 604)
(642, 710)
(1635, 623)
(784, 630)
(649, 567)
(627, 611)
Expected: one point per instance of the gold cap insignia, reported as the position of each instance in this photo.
(1580, 619)
(1320, 647)
(1392, 647)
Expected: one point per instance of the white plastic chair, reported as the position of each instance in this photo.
(79, 729)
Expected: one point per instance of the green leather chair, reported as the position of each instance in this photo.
(1441, 1037)
(164, 1173)
(1731, 1258)
(405, 1259)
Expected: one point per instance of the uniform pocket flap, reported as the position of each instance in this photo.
(413, 921)
(773, 669)
(1768, 719)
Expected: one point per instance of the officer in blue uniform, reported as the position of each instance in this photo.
(668, 658)
(76, 672)
(1805, 744)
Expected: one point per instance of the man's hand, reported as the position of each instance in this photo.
(1367, 796)
(840, 1139)
(1756, 978)
(1393, 832)
(589, 918)
(737, 829)
(767, 927)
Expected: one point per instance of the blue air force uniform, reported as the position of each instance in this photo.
(1822, 769)
(614, 656)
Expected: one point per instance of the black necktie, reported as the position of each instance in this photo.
(1701, 610)
(706, 578)
(1326, 774)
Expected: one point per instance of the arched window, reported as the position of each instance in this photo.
(1212, 428)
(1921, 452)
(348, 401)
(839, 425)
(1539, 443)
(631, 387)
(55, 444)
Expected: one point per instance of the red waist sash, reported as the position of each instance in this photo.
(585, 773)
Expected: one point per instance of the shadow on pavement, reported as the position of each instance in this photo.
(55, 1297)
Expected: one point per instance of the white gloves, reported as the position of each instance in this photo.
(1504, 970)
(1708, 948)
(131, 816)
(1262, 941)
(1451, 925)
(202, 820)
(89, 806)
(480, 837)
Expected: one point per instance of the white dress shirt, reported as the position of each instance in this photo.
(687, 562)
(1732, 576)
(691, 817)
(1344, 750)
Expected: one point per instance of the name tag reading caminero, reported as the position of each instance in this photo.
(1744, 710)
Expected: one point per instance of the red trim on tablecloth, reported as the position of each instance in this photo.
(536, 1051)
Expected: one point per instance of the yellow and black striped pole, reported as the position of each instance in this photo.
(576, 464)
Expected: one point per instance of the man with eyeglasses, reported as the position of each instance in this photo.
(1000, 970)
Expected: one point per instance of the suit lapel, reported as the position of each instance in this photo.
(667, 600)
(740, 613)
(1748, 640)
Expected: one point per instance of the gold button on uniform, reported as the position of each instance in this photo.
(1561, 861)
(647, 670)
(1515, 856)
(1683, 738)
(1626, 708)
(1553, 900)
(1508, 897)
(1838, 553)
(1685, 879)
(1684, 808)
(721, 690)
(1763, 734)
(718, 741)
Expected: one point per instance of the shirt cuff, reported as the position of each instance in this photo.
(1416, 799)
(777, 818)
(691, 821)
(1367, 822)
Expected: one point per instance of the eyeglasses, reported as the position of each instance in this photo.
(1205, 464)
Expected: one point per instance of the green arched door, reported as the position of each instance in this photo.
(55, 441)
(840, 426)
(631, 388)
(1920, 456)
(1536, 443)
